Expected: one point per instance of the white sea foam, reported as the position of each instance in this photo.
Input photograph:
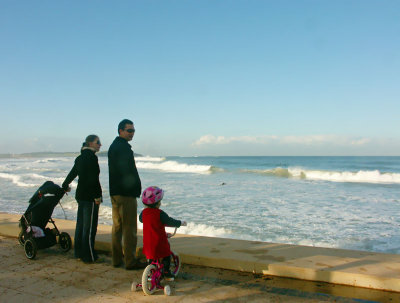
(173, 166)
(198, 230)
(28, 180)
(50, 160)
(361, 176)
(149, 159)
(105, 216)
(17, 180)
(203, 230)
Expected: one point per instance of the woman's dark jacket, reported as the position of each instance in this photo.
(123, 175)
(87, 168)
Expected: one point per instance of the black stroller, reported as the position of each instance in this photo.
(34, 234)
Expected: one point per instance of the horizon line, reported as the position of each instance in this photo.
(102, 153)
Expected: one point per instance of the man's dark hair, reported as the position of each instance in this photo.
(123, 123)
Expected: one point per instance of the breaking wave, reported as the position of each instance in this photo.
(17, 180)
(195, 229)
(362, 176)
(203, 230)
(173, 166)
(27, 180)
(50, 160)
(149, 159)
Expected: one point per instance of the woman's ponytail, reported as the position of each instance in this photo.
(89, 139)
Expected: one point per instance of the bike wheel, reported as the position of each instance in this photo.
(175, 263)
(65, 241)
(30, 248)
(148, 285)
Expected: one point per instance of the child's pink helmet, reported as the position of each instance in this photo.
(152, 195)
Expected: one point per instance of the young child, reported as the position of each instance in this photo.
(155, 242)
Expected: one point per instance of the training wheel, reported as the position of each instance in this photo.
(134, 286)
(167, 290)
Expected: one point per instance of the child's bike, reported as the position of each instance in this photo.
(153, 274)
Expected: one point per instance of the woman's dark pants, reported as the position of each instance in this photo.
(85, 231)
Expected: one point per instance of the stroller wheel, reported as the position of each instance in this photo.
(21, 238)
(30, 248)
(65, 241)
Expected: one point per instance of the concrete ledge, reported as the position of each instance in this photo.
(338, 266)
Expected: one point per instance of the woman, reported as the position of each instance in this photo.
(89, 196)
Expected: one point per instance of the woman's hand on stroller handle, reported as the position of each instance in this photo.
(68, 189)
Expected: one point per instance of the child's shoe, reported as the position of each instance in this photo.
(168, 276)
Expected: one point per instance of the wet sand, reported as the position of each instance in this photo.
(54, 276)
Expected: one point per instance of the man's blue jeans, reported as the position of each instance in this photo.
(85, 231)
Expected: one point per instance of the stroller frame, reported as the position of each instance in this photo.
(26, 235)
(30, 243)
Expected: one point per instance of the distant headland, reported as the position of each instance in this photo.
(52, 154)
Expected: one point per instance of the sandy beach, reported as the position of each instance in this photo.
(213, 270)
(55, 276)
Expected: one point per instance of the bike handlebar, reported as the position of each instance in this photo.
(173, 234)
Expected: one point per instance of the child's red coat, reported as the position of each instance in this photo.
(155, 242)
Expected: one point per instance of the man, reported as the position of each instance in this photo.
(125, 187)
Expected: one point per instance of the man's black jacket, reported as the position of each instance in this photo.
(123, 175)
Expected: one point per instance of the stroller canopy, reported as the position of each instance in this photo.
(42, 204)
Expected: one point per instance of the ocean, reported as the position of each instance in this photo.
(337, 202)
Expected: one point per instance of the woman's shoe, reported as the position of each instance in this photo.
(97, 261)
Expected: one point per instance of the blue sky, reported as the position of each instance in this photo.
(202, 77)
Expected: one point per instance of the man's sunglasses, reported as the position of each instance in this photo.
(98, 142)
(130, 130)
